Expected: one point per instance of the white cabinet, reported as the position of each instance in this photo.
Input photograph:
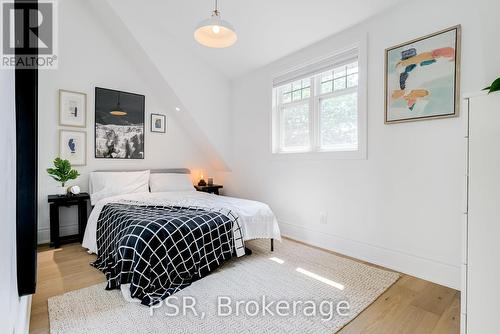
(481, 262)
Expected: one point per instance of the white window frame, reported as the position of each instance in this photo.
(359, 49)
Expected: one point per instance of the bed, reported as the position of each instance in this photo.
(154, 234)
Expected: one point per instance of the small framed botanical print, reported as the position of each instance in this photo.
(72, 108)
(72, 146)
(422, 78)
(158, 123)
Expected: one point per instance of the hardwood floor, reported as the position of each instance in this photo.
(59, 271)
(411, 305)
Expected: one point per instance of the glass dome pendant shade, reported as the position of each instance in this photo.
(215, 32)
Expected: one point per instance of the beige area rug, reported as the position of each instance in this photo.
(304, 285)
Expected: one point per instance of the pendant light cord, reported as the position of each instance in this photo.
(216, 10)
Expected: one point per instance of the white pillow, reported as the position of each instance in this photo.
(161, 182)
(107, 184)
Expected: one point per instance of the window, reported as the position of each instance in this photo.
(317, 109)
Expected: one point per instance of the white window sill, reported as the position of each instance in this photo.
(320, 155)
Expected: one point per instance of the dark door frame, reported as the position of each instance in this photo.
(26, 87)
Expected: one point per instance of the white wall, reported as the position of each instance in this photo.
(89, 56)
(400, 208)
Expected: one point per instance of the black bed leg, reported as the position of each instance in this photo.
(272, 245)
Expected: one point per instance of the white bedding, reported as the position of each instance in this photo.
(256, 218)
(106, 184)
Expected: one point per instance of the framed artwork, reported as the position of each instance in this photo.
(72, 146)
(72, 108)
(119, 124)
(422, 77)
(158, 123)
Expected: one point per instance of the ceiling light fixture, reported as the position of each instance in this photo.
(215, 32)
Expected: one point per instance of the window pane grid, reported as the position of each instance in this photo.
(296, 91)
(341, 77)
(318, 113)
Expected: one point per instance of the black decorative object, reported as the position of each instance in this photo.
(119, 124)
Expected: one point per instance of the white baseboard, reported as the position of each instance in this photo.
(23, 316)
(427, 269)
(43, 236)
(44, 232)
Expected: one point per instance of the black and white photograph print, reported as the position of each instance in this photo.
(119, 124)
(72, 108)
(72, 146)
(158, 123)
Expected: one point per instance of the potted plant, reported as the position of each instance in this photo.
(62, 172)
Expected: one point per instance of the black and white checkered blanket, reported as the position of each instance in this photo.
(162, 249)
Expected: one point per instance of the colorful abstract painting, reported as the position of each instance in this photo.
(421, 79)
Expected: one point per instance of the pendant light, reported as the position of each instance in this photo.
(215, 32)
(118, 111)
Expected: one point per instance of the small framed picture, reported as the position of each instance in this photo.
(72, 146)
(72, 108)
(158, 123)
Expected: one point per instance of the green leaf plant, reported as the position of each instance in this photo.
(495, 86)
(62, 172)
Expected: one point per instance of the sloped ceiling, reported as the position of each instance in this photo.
(267, 29)
(158, 35)
(180, 82)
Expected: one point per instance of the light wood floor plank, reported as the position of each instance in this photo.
(450, 320)
(59, 271)
(380, 313)
(435, 298)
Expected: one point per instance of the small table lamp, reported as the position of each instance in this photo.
(202, 182)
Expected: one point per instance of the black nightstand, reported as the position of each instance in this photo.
(57, 201)
(213, 189)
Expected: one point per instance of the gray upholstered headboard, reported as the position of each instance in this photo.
(166, 170)
(172, 170)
